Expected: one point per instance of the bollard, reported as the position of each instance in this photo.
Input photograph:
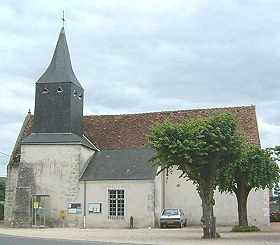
(131, 222)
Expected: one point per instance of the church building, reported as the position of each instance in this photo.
(68, 169)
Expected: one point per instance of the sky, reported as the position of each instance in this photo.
(145, 55)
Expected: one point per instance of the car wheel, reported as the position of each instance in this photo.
(181, 225)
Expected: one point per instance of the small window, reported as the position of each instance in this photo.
(45, 91)
(75, 93)
(80, 96)
(116, 203)
(59, 90)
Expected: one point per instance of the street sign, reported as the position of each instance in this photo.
(35, 205)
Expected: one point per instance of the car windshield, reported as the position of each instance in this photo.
(170, 212)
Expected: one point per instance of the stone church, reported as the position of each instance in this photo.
(94, 171)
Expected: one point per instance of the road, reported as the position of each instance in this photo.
(17, 240)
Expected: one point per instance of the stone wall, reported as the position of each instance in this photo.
(56, 171)
(24, 190)
(12, 174)
(10, 195)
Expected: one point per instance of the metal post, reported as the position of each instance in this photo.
(44, 217)
(32, 210)
(85, 205)
(35, 221)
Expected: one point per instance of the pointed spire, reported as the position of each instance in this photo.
(60, 68)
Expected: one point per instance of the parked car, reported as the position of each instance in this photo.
(172, 217)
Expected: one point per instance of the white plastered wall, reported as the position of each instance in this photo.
(182, 194)
(159, 196)
(139, 202)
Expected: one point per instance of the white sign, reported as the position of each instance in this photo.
(94, 208)
(74, 208)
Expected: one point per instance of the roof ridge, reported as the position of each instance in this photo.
(125, 148)
(172, 111)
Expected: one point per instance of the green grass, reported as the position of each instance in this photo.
(251, 228)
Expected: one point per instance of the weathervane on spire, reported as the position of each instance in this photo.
(63, 19)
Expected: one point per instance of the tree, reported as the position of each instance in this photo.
(2, 188)
(276, 195)
(197, 148)
(255, 169)
(2, 196)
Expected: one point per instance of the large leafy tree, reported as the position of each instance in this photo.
(255, 169)
(197, 148)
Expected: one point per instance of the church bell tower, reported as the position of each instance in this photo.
(58, 101)
(54, 155)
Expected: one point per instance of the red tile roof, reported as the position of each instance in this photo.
(130, 130)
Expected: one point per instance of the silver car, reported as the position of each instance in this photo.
(172, 217)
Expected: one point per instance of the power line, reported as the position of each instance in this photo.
(2, 153)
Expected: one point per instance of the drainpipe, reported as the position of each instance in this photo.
(163, 188)
(85, 204)
(155, 196)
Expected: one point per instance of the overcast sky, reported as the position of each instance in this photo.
(147, 55)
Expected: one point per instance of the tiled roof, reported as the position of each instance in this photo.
(130, 130)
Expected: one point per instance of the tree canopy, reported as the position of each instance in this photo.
(197, 148)
(254, 169)
(2, 188)
(196, 144)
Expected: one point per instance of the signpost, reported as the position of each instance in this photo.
(38, 210)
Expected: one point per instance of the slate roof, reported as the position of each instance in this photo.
(60, 69)
(51, 137)
(57, 138)
(120, 164)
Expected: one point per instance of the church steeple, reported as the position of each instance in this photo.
(60, 69)
(59, 100)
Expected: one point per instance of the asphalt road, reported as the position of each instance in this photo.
(16, 240)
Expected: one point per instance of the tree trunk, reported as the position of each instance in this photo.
(242, 196)
(208, 222)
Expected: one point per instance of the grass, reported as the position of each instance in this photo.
(251, 228)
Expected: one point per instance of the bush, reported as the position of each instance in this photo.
(218, 235)
(275, 217)
(50, 222)
(251, 228)
(1, 212)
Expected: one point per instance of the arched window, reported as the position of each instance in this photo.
(80, 96)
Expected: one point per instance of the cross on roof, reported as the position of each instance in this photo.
(63, 19)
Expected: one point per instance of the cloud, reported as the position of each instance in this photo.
(135, 56)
